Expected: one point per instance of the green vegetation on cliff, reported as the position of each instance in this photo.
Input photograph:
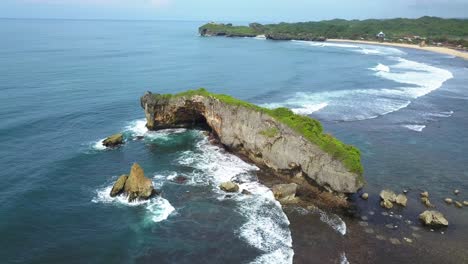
(309, 128)
(431, 29)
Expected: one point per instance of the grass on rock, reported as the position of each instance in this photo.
(309, 128)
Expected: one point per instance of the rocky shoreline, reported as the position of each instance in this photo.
(266, 137)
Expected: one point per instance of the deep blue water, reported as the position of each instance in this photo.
(66, 84)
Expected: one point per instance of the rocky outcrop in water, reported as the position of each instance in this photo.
(229, 186)
(113, 141)
(433, 218)
(136, 186)
(253, 132)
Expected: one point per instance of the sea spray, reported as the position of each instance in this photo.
(158, 208)
(266, 227)
(418, 79)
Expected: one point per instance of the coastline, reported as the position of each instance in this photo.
(441, 50)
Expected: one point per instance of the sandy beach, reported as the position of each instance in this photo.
(442, 50)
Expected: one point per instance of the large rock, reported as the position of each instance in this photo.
(229, 186)
(137, 186)
(285, 192)
(388, 195)
(118, 187)
(113, 140)
(401, 199)
(256, 134)
(433, 218)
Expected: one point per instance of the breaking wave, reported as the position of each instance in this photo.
(355, 47)
(158, 208)
(416, 79)
(267, 227)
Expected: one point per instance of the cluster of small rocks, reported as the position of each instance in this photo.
(458, 204)
(429, 217)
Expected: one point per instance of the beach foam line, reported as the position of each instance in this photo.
(358, 47)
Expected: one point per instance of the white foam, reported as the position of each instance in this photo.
(137, 128)
(261, 37)
(343, 259)
(366, 49)
(333, 221)
(442, 114)
(98, 145)
(417, 128)
(418, 79)
(308, 109)
(158, 208)
(381, 67)
(266, 227)
(325, 44)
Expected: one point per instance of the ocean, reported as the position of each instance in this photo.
(67, 84)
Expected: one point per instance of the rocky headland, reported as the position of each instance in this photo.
(293, 147)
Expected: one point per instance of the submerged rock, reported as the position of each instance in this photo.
(456, 192)
(137, 186)
(118, 186)
(365, 196)
(465, 203)
(285, 192)
(401, 200)
(425, 194)
(448, 200)
(433, 218)
(180, 179)
(395, 241)
(229, 187)
(113, 141)
(458, 204)
(426, 202)
(246, 192)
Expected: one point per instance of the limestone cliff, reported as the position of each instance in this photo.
(268, 137)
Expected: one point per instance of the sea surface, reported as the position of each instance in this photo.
(67, 84)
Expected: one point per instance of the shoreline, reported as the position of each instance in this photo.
(440, 50)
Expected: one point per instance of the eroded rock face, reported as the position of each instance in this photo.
(433, 218)
(285, 192)
(118, 186)
(137, 186)
(261, 138)
(113, 141)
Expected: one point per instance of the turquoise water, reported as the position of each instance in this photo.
(67, 84)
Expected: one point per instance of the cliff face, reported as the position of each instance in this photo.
(256, 134)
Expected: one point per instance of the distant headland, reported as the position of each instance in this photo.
(448, 36)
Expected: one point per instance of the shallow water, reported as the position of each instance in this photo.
(67, 84)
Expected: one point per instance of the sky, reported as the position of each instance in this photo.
(231, 10)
